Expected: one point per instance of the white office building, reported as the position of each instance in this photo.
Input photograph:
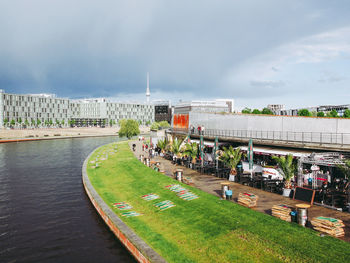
(220, 105)
(48, 110)
(33, 109)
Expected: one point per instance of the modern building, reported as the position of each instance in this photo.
(276, 108)
(33, 109)
(323, 108)
(162, 111)
(225, 106)
(47, 109)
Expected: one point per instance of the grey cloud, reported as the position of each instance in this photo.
(267, 84)
(89, 48)
(330, 77)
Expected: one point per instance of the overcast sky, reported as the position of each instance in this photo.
(295, 53)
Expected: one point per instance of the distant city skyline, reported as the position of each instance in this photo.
(295, 53)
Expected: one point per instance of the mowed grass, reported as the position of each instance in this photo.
(206, 229)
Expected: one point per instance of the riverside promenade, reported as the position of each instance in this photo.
(212, 185)
(23, 135)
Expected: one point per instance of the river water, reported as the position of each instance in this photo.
(45, 215)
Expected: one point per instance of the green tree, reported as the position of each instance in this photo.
(129, 128)
(13, 122)
(175, 146)
(231, 157)
(57, 122)
(110, 122)
(6, 121)
(246, 111)
(50, 122)
(121, 122)
(33, 122)
(84, 123)
(46, 122)
(267, 111)
(163, 144)
(345, 168)
(164, 124)
(62, 122)
(256, 111)
(333, 114)
(20, 120)
(320, 114)
(346, 113)
(94, 122)
(104, 122)
(191, 149)
(286, 167)
(304, 112)
(148, 122)
(26, 122)
(155, 126)
(38, 122)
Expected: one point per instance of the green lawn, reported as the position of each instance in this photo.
(206, 229)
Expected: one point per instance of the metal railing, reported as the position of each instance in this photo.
(285, 136)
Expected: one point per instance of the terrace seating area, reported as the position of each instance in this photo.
(220, 171)
(268, 190)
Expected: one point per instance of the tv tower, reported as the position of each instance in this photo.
(148, 93)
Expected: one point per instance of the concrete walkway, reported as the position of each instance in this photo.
(212, 185)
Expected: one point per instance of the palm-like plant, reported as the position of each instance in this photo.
(175, 146)
(191, 149)
(163, 144)
(231, 157)
(287, 168)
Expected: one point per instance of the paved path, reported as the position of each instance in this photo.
(211, 185)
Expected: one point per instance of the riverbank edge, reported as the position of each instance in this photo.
(60, 138)
(135, 245)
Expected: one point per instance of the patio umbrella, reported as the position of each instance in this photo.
(201, 148)
(216, 144)
(250, 155)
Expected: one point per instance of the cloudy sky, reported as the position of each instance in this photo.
(295, 53)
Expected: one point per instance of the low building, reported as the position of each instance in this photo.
(323, 108)
(162, 111)
(202, 106)
(276, 108)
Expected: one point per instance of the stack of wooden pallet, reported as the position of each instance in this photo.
(282, 212)
(247, 199)
(328, 225)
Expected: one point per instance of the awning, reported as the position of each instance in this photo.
(211, 144)
(277, 151)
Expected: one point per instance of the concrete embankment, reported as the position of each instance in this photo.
(136, 246)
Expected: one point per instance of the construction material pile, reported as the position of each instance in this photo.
(282, 212)
(182, 192)
(247, 199)
(150, 197)
(329, 225)
(164, 205)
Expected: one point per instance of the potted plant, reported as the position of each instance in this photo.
(191, 150)
(287, 168)
(162, 145)
(231, 157)
(346, 171)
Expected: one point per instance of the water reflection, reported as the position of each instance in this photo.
(45, 215)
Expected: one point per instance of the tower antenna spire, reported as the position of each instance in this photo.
(148, 93)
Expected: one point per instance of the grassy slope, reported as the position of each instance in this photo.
(205, 229)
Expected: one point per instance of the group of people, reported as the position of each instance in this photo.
(200, 129)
